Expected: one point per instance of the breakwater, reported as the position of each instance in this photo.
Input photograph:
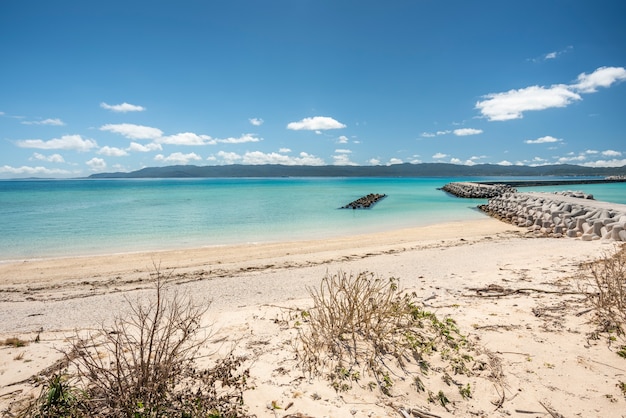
(558, 215)
(473, 190)
(365, 202)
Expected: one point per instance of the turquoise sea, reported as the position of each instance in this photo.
(51, 218)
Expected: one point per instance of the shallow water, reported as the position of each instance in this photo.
(46, 218)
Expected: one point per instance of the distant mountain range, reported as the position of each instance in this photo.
(396, 170)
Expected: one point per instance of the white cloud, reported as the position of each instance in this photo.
(394, 161)
(342, 159)
(342, 139)
(96, 164)
(576, 158)
(112, 151)
(133, 131)
(178, 158)
(505, 163)
(606, 163)
(66, 142)
(137, 147)
(54, 158)
(591, 151)
(467, 131)
(122, 108)
(258, 157)
(374, 161)
(439, 156)
(543, 140)
(602, 77)
(551, 55)
(434, 134)
(513, 103)
(343, 151)
(284, 150)
(51, 122)
(241, 140)
(256, 121)
(611, 153)
(316, 123)
(32, 171)
(187, 138)
(229, 157)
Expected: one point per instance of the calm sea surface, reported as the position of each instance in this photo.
(49, 218)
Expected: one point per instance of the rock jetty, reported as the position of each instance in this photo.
(557, 215)
(365, 202)
(477, 190)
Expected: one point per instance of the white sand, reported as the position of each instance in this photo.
(546, 356)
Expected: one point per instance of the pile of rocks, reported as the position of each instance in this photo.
(577, 194)
(365, 202)
(476, 190)
(551, 215)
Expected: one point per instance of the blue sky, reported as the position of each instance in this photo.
(95, 86)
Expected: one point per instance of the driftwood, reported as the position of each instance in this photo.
(496, 291)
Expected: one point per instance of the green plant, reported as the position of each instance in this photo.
(15, 342)
(465, 391)
(362, 323)
(145, 365)
(58, 398)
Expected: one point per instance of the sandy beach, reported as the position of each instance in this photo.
(537, 333)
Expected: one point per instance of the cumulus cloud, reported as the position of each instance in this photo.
(96, 164)
(611, 153)
(66, 142)
(374, 161)
(602, 77)
(229, 157)
(606, 163)
(258, 157)
(54, 158)
(434, 134)
(132, 131)
(394, 161)
(342, 139)
(32, 171)
(342, 159)
(467, 131)
(513, 103)
(241, 140)
(51, 122)
(178, 158)
(439, 156)
(186, 138)
(543, 140)
(316, 123)
(284, 150)
(256, 121)
(122, 108)
(112, 151)
(137, 147)
(505, 163)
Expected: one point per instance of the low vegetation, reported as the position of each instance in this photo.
(605, 284)
(364, 330)
(145, 365)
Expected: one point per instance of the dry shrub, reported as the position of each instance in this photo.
(145, 365)
(605, 281)
(363, 326)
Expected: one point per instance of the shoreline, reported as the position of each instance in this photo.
(540, 339)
